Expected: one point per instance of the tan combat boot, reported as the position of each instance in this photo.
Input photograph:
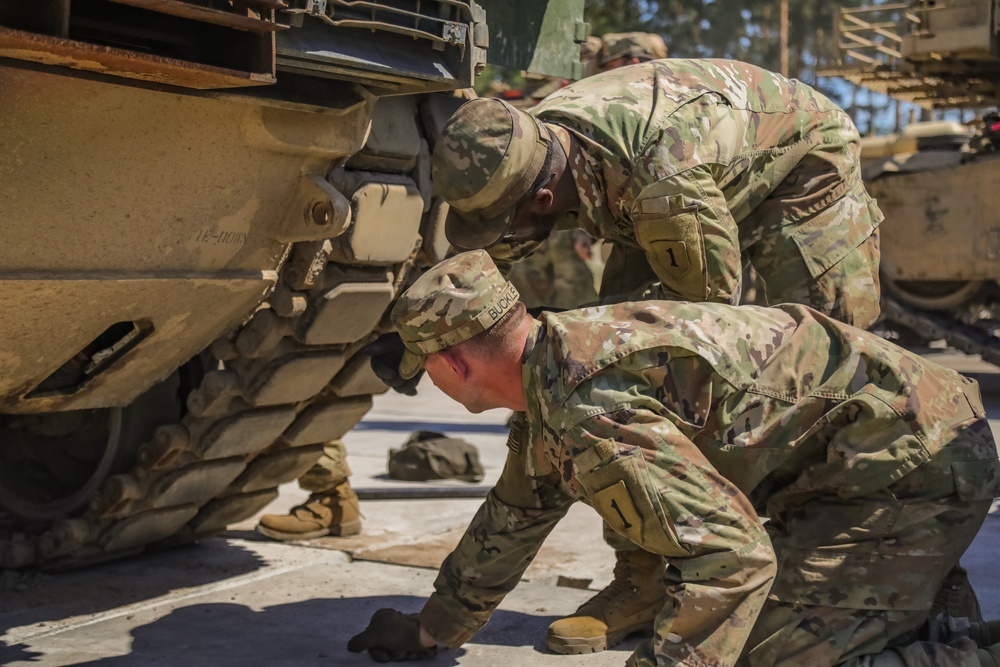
(333, 512)
(628, 605)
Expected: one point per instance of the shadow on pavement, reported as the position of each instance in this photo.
(18, 653)
(312, 632)
(47, 597)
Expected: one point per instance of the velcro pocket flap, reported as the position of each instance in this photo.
(618, 489)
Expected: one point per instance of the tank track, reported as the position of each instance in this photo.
(967, 338)
(258, 419)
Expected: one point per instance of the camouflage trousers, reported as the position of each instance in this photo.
(330, 470)
(815, 239)
(847, 291)
(555, 275)
(858, 576)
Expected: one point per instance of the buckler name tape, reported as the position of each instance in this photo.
(503, 304)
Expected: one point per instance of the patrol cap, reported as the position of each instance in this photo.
(632, 45)
(459, 298)
(485, 161)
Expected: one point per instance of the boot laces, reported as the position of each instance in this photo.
(620, 588)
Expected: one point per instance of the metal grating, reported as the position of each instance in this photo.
(871, 53)
(441, 22)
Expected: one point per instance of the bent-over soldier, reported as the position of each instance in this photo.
(690, 168)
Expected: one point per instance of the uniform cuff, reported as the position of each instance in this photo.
(444, 626)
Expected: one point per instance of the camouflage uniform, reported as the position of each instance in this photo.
(680, 423)
(690, 168)
(555, 276)
(330, 470)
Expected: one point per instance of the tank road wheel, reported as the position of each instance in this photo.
(933, 294)
(102, 485)
(42, 477)
(51, 464)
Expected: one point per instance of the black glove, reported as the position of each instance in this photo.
(386, 352)
(391, 636)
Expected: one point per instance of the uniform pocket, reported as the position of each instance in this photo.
(832, 233)
(674, 246)
(618, 488)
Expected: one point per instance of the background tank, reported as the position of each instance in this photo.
(207, 209)
(935, 182)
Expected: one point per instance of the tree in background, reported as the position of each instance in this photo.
(746, 30)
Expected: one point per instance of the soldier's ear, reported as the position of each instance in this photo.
(543, 199)
(454, 362)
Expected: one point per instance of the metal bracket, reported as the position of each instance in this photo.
(319, 212)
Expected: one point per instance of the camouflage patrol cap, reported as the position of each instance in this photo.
(632, 45)
(459, 298)
(485, 161)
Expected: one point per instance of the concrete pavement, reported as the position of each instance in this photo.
(241, 600)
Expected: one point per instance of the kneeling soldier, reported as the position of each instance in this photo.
(682, 424)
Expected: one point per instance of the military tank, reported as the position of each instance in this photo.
(208, 207)
(934, 181)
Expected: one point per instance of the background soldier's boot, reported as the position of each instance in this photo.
(985, 633)
(333, 512)
(628, 605)
(957, 598)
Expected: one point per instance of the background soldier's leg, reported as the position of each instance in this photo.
(814, 241)
(626, 271)
(332, 507)
(329, 471)
(847, 291)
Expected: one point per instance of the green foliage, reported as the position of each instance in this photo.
(615, 15)
(493, 75)
(743, 29)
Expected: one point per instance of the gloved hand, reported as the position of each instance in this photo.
(386, 352)
(391, 636)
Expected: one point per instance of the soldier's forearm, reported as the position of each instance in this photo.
(487, 564)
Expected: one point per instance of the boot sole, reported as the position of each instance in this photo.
(583, 645)
(343, 530)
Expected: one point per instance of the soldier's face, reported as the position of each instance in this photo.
(530, 227)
